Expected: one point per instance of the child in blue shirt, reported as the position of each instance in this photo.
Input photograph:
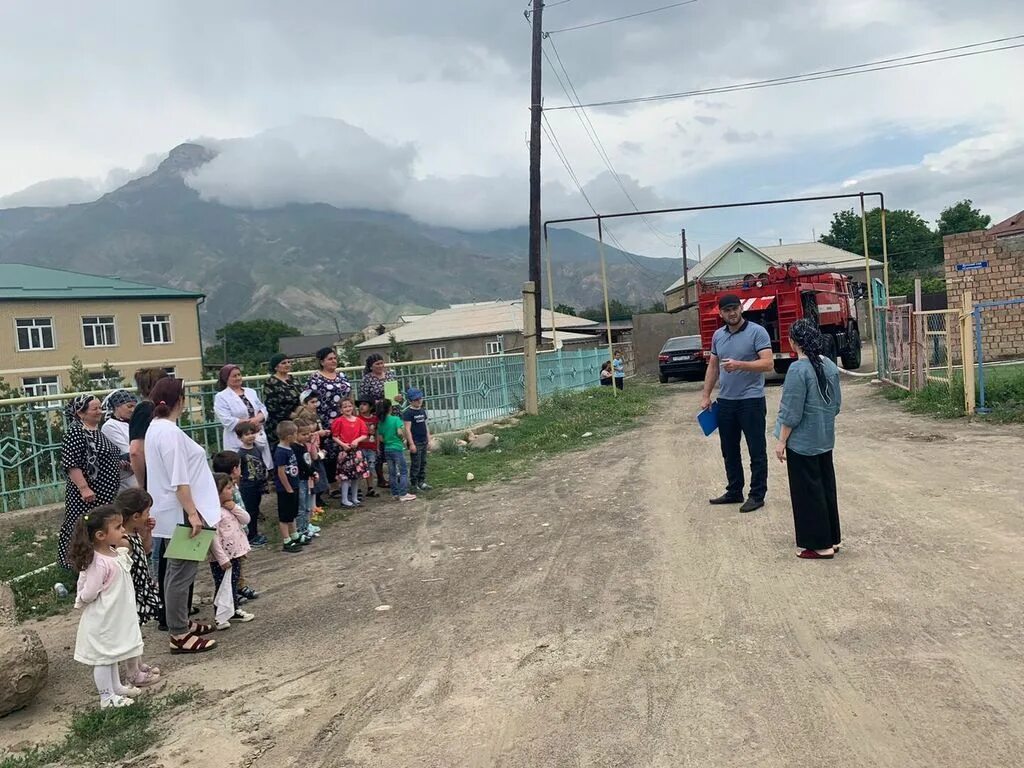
(418, 434)
(286, 480)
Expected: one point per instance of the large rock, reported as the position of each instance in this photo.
(479, 442)
(23, 662)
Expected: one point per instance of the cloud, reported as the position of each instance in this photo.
(69, 191)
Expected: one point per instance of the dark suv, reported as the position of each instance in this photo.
(681, 358)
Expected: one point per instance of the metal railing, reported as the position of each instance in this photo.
(458, 392)
(1000, 356)
(934, 346)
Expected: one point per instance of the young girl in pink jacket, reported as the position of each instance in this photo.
(230, 544)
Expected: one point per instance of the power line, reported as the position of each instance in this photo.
(809, 77)
(591, 131)
(560, 2)
(619, 18)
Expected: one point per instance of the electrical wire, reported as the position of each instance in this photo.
(595, 139)
(620, 18)
(880, 65)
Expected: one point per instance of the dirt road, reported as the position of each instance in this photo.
(601, 613)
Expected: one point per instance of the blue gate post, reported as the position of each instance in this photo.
(981, 360)
(460, 394)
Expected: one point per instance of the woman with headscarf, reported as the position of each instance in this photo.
(235, 403)
(280, 394)
(118, 407)
(331, 387)
(371, 390)
(92, 465)
(811, 398)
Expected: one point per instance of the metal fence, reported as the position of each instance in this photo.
(894, 325)
(999, 350)
(935, 341)
(458, 393)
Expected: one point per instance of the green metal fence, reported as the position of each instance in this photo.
(459, 393)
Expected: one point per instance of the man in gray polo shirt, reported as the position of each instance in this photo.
(741, 354)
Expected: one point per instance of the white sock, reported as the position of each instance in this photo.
(104, 678)
(119, 688)
(346, 488)
(355, 492)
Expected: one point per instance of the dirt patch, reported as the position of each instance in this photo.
(600, 613)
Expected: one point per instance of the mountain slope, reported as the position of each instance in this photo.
(308, 265)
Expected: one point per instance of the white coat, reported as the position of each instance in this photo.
(229, 410)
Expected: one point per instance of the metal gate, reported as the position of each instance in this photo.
(895, 344)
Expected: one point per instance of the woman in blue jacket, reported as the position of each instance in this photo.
(806, 432)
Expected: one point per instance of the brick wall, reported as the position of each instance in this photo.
(1003, 327)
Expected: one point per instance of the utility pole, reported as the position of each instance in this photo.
(686, 273)
(536, 110)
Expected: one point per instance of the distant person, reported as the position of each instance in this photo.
(806, 432)
(286, 479)
(368, 416)
(741, 354)
(606, 373)
(330, 386)
(350, 434)
(252, 481)
(371, 388)
(145, 380)
(418, 431)
(391, 430)
(236, 403)
(619, 369)
(229, 548)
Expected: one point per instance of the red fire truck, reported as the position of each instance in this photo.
(780, 296)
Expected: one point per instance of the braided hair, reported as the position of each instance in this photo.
(806, 335)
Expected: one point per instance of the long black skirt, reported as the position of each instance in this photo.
(812, 490)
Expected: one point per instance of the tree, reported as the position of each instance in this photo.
(913, 245)
(349, 355)
(250, 343)
(962, 217)
(565, 309)
(78, 377)
(616, 309)
(398, 352)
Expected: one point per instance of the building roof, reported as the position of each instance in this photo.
(27, 283)
(813, 254)
(485, 318)
(1012, 226)
(307, 346)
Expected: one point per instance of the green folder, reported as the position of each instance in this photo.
(182, 547)
(390, 390)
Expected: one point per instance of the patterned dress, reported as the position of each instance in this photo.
(330, 393)
(100, 461)
(281, 399)
(147, 596)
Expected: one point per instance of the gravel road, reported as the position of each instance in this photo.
(600, 613)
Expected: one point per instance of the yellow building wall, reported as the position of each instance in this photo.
(183, 353)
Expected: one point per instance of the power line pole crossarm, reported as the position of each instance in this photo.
(536, 113)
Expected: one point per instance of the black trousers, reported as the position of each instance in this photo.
(744, 418)
(418, 466)
(812, 490)
(251, 496)
(218, 577)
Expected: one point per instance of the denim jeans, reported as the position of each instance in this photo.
(398, 472)
(744, 418)
(418, 465)
(302, 520)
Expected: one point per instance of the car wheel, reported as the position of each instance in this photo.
(663, 378)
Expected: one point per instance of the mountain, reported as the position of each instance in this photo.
(308, 265)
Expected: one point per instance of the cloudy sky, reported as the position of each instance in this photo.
(423, 107)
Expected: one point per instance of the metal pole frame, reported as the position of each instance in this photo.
(752, 204)
(551, 295)
(607, 308)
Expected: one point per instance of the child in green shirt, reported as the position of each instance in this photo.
(392, 433)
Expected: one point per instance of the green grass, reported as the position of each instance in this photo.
(560, 426)
(1004, 395)
(103, 736)
(23, 551)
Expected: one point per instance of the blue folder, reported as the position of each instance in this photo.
(708, 419)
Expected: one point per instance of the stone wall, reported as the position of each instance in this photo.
(1002, 327)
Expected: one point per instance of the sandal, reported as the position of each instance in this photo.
(195, 628)
(192, 644)
(810, 554)
(151, 670)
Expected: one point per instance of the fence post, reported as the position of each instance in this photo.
(460, 393)
(530, 331)
(918, 349)
(967, 353)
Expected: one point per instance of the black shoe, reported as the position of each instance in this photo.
(751, 504)
(726, 498)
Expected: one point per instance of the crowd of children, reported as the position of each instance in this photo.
(111, 547)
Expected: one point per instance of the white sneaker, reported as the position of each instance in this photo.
(131, 690)
(222, 625)
(116, 701)
(243, 616)
(407, 497)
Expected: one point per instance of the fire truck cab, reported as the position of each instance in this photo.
(777, 298)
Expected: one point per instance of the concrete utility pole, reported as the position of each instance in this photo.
(686, 273)
(535, 118)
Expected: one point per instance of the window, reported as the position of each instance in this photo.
(156, 329)
(105, 380)
(495, 347)
(172, 372)
(98, 331)
(438, 353)
(38, 386)
(34, 333)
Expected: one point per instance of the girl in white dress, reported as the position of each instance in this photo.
(108, 632)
